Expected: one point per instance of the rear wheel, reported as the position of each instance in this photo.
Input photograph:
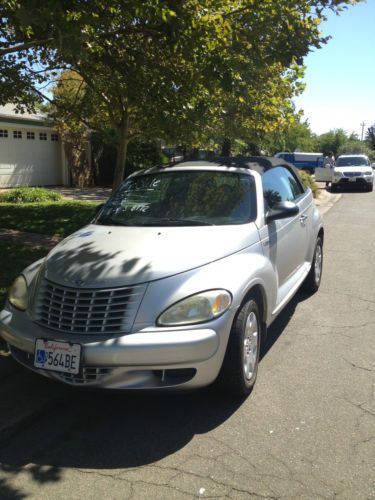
(240, 366)
(313, 279)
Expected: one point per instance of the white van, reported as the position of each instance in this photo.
(303, 161)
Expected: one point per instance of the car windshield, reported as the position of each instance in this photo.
(182, 198)
(352, 161)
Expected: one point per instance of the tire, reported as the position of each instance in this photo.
(333, 188)
(313, 279)
(240, 366)
(370, 188)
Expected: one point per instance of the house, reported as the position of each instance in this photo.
(31, 152)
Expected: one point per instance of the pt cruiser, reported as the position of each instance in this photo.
(175, 281)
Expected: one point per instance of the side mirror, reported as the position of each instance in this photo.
(282, 210)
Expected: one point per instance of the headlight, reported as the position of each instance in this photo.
(337, 174)
(18, 295)
(198, 308)
(369, 174)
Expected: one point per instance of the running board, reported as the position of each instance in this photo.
(290, 288)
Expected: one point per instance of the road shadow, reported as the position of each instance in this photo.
(9, 493)
(95, 430)
(281, 322)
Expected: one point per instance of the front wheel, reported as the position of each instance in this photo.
(240, 366)
(313, 279)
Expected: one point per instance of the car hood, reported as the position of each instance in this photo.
(359, 169)
(105, 256)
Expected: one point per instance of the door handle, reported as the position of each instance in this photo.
(302, 219)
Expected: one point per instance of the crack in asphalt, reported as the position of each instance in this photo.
(178, 472)
(359, 406)
(354, 365)
(333, 327)
(329, 292)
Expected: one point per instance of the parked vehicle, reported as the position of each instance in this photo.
(303, 161)
(354, 170)
(175, 281)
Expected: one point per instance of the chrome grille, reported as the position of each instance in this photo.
(88, 375)
(86, 311)
(352, 174)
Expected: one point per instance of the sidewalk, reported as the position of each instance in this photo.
(32, 240)
(326, 199)
(100, 194)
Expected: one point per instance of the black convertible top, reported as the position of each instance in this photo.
(258, 163)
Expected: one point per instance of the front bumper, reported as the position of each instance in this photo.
(153, 358)
(353, 181)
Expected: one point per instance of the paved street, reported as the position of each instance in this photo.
(306, 432)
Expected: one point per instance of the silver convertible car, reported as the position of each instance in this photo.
(175, 281)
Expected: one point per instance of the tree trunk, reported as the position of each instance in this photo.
(226, 147)
(122, 148)
(80, 170)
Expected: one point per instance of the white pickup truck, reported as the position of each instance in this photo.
(354, 169)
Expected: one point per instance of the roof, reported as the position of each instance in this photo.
(258, 163)
(352, 154)
(9, 111)
(8, 114)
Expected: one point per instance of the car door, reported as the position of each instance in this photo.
(285, 241)
(324, 173)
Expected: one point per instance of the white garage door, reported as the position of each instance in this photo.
(29, 157)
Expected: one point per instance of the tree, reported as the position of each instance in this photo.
(290, 137)
(370, 137)
(67, 110)
(355, 146)
(331, 141)
(195, 70)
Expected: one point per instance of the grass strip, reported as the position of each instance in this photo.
(52, 218)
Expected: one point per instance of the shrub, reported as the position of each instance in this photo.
(29, 195)
(309, 181)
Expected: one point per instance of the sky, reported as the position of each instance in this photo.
(340, 77)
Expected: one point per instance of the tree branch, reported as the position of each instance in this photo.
(23, 46)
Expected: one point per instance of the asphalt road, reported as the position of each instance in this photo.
(307, 431)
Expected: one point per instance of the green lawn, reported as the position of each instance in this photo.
(14, 258)
(52, 218)
(60, 218)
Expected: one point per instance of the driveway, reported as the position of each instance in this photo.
(100, 194)
(307, 431)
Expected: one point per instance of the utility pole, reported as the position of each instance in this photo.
(363, 126)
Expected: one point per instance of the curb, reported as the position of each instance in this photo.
(326, 200)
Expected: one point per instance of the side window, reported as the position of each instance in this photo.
(294, 184)
(278, 186)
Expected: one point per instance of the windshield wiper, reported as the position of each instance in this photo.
(177, 222)
(108, 221)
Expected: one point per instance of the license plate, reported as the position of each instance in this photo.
(57, 356)
(352, 179)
